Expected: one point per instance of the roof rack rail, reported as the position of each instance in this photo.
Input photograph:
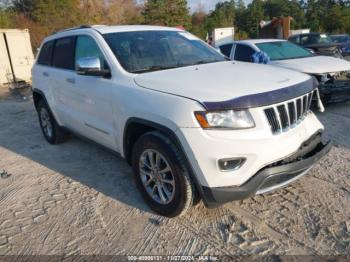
(73, 28)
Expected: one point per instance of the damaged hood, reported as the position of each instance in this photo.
(220, 81)
(314, 64)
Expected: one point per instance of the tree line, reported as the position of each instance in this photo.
(42, 17)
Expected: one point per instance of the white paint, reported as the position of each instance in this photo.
(20, 53)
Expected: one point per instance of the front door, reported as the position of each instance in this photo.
(92, 96)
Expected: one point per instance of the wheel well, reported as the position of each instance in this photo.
(36, 98)
(132, 133)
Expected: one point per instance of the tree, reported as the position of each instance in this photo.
(198, 21)
(255, 13)
(6, 18)
(167, 13)
(222, 16)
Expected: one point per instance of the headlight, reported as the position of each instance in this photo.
(230, 119)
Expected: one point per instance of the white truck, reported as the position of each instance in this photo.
(16, 56)
(222, 36)
(188, 121)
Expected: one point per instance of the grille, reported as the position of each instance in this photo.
(281, 117)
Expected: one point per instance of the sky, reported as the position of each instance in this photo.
(207, 4)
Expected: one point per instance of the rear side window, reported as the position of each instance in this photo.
(226, 49)
(244, 53)
(63, 54)
(46, 54)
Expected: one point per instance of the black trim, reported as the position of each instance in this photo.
(263, 99)
(41, 93)
(9, 57)
(272, 175)
(171, 135)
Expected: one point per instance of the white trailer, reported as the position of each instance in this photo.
(223, 36)
(16, 56)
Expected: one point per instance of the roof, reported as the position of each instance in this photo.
(258, 41)
(104, 29)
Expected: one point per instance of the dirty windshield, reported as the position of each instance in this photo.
(283, 50)
(146, 51)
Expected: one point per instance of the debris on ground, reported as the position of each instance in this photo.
(4, 174)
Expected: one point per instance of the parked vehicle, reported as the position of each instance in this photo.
(189, 122)
(320, 44)
(333, 74)
(225, 49)
(344, 41)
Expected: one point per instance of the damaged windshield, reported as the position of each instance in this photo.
(283, 50)
(146, 51)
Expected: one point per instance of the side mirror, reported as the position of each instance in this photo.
(91, 66)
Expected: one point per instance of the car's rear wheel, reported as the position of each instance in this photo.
(161, 175)
(52, 132)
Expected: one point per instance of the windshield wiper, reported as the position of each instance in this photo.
(202, 62)
(153, 68)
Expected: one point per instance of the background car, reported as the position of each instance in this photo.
(344, 41)
(332, 73)
(320, 44)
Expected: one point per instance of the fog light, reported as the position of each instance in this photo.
(230, 164)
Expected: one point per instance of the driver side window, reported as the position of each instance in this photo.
(87, 47)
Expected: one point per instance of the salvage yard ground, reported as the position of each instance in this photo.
(77, 198)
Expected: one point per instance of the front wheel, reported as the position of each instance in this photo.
(161, 175)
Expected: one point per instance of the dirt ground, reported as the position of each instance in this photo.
(77, 198)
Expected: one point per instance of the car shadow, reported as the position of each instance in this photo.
(76, 159)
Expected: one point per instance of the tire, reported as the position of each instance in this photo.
(52, 132)
(180, 193)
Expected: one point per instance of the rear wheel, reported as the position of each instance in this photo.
(52, 132)
(161, 175)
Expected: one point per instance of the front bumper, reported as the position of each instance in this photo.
(271, 177)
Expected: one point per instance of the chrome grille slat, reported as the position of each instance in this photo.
(284, 116)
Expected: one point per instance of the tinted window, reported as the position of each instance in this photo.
(294, 39)
(283, 50)
(87, 47)
(63, 54)
(145, 51)
(226, 49)
(340, 38)
(315, 39)
(244, 53)
(46, 54)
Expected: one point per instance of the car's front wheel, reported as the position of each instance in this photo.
(161, 175)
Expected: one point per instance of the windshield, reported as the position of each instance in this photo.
(341, 38)
(146, 51)
(283, 50)
(314, 39)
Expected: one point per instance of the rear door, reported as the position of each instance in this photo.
(61, 77)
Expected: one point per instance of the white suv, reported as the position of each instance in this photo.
(192, 124)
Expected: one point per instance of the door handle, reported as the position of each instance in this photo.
(70, 80)
(45, 74)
